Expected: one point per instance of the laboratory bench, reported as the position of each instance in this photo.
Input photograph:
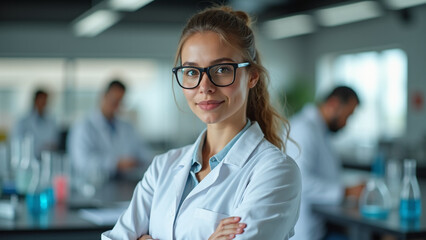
(358, 227)
(68, 220)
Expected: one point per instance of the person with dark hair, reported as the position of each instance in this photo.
(106, 142)
(318, 163)
(38, 124)
(234, 182)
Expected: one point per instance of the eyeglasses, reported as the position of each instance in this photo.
(221, 75)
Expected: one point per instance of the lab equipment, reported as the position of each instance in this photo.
(375, 200)
(410, 204)
(40, 196)
(24, 170)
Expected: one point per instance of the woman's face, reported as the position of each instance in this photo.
(210, 103)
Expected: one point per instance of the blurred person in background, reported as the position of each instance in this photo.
(103, 141)
(320, 166)
(38, 124)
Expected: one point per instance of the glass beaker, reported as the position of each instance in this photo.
(94, 177)
(410, 204)
(393, 180)
(60, 177)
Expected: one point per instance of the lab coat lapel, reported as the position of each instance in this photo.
(180, 176)
(207, 181)
(236, 156)
(239, 154)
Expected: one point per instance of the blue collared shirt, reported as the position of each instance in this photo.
(197, 162)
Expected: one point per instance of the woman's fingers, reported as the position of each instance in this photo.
(228, 228)
(146, 237)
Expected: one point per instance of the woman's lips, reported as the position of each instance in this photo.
(209, 105)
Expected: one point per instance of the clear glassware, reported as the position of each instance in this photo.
(46, 178)
(40, 196)
(60, 173)
(375, 200)
(410, 199)
(394, 180)
(3, 166)
(24, 170)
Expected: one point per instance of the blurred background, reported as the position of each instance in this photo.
(74, 47)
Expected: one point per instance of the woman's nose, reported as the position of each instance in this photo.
(206, 86)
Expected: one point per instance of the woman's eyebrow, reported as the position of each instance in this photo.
(216, 61)
(189, 64)
(221, 60)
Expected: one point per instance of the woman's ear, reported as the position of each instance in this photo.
(254, 77)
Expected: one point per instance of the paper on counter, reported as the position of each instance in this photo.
(102, 216)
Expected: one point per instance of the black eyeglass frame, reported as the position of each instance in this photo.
(206, 70)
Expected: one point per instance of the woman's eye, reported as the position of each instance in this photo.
(224, 69)
(191, 72)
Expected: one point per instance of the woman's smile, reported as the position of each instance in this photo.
(209, 105)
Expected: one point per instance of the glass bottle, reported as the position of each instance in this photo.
(40, 197)
(375, 200)
(410, 204)
(24, 170)
(46, 178)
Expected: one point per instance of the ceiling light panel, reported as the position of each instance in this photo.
(348, 13)
(400, 4)
(127, 5)
(289, 26)
(94, 23)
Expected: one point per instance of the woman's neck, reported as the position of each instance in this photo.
(218, 136)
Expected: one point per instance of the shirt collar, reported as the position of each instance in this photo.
(197, 161)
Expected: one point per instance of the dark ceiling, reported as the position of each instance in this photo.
(158, 11)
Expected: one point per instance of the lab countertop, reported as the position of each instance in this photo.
(66, 221)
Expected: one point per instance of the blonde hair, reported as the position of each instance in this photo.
(234, 28)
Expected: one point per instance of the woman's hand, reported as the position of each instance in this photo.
(146, 237)
(228, 228)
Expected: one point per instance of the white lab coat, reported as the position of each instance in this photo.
(254, 181)
(320, 170)
(43, 129)
(91, 144)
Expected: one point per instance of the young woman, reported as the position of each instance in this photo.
(234, 182)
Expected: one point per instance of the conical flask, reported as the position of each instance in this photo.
(375, 200)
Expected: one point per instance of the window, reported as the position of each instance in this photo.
(380, 79)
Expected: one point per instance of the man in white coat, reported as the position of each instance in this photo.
(38, 124)
(102, 144)
(319, 165)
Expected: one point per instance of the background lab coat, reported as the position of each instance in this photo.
(255, 181)
(91, 141)
(43, 129)
(320, 170)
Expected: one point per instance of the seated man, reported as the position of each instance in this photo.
(318, 163)
(103, 145)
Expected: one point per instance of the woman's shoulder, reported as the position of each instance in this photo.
(268, 154)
